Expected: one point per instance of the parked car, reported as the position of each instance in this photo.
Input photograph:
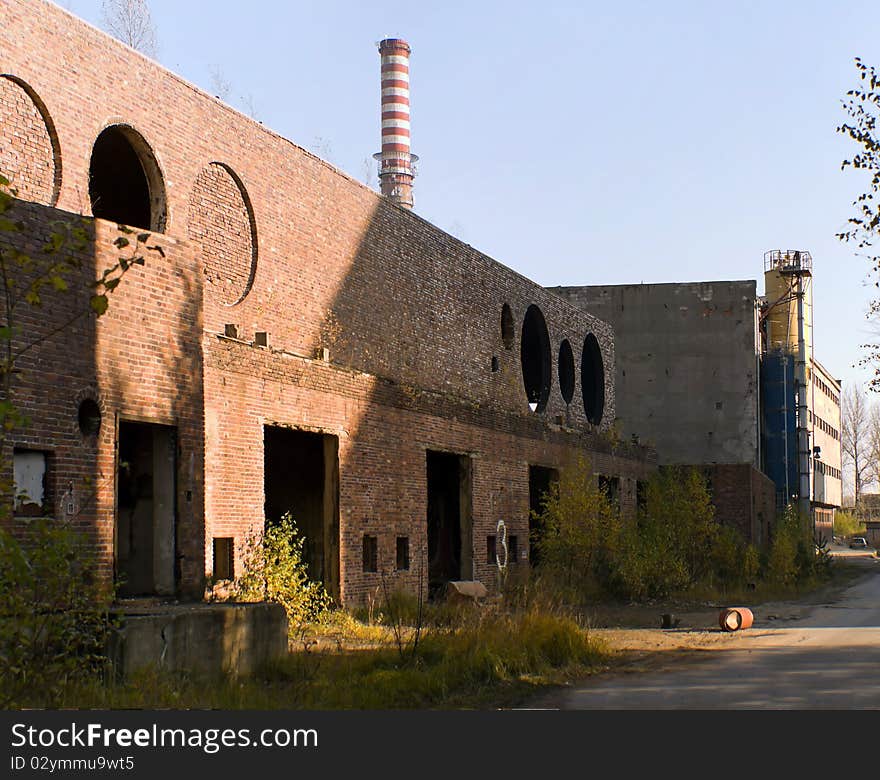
(858, 543)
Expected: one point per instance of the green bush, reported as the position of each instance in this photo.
(792, 559)
(274, 570)
(54, 623)
(847, 524)
(576, 530)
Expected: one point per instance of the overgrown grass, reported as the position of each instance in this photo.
(486, 660)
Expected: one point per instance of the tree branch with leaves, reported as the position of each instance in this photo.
(862, 104)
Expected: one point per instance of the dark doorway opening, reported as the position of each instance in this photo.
(541, 481)
(125, 184)
(301, 476)
(450, 537)
(146, 518)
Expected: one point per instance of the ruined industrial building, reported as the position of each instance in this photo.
(306, 344)
(708, 373)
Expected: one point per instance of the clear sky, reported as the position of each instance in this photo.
(578, 142)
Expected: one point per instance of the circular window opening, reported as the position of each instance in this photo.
(506, 326)
(593, 380)
(89, 416)
(566, 371)
(535, 358)
(125, 184)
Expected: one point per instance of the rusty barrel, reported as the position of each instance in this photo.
(735, 618)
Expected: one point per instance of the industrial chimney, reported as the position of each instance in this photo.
(396, 170)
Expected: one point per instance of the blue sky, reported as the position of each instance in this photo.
(578, 143)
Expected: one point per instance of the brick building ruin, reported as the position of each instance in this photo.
(304, 344)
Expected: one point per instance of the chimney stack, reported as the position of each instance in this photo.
(396, 171)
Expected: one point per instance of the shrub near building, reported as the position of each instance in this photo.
(673, 544)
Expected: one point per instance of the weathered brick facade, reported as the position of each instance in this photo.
(289, 296)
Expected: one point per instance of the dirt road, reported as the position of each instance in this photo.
(818, 653)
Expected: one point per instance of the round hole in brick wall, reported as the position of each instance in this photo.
(30, 155)
(507, 326)
(89, 417)
(566, 371)
(593, 380)
(221, 223)
(536, 359)
(125, 183)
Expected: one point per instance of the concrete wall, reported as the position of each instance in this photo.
(208, 639)
(685, 365)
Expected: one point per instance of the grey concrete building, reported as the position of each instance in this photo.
(696, 376)
(687, 363)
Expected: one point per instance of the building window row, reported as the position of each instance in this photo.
(825, 427)
(825, 388)
(826, 470)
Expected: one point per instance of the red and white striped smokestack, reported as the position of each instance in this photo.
(396, 171)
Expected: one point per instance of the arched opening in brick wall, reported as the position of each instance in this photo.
(536, 359)
(566, 371)
(30, 155)
(221, 223)
(125, 183)
(593, 380)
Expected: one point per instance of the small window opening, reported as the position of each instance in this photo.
(641, 496)
(491, 550)
(224, 558)
(29, 471)
(495, 364)
(610, 486)
(402, 562)
(371, 553)
(89, 417)
(512, 549)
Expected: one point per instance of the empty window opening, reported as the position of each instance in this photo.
(641, 496)
(541, 482)
(301, 477)
(566, 371)
(593, 380)
(30, 477)
(495, 364)
(512, 550)
(610, 486)
(536, 359)
(491, 550)
(145, 509)
(125, 184)
(224, 558)
(89, 417)
(371, 553)
(402, 558)
(507, 326)
(450, 547)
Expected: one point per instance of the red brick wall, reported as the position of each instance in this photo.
(744, 499)
(263, 235)
(140, 361)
